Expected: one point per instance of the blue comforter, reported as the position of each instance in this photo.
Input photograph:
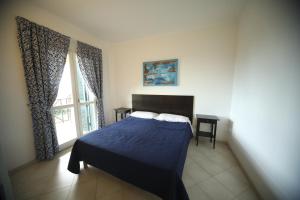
(145, 152)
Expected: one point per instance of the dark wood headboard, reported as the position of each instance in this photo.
(173, 104)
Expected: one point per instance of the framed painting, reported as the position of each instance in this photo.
(160, 73)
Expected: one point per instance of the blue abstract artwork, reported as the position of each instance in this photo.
(160, 73)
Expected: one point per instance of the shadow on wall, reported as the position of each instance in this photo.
(250, 167)
(5, 184)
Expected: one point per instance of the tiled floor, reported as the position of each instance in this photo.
(208, 174)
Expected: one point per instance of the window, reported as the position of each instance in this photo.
(87, 101)
(74, 110)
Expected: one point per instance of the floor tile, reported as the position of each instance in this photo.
(188, 179)
(117, 195)
(223, 161)
(215, 190)
(249, 194)
(60, 180)
(60, 194)
(131, 192)
(237, 172)
(33, 188)
(211, 167)
(231, 182)
(195, 193)
(208, 174)
(195, 172)
(88, 174)
(83, 190)
(107, 185)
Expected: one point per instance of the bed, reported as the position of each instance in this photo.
(145, 152)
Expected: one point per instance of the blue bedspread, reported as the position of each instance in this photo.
(145, 152)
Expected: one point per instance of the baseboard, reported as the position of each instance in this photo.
(15, 170)
(259, 184)
(244, 171)
(63, 150)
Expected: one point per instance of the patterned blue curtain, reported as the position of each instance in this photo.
(44, 53)
(90, 64)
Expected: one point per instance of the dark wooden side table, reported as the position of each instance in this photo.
(209, 119)
(122, 111)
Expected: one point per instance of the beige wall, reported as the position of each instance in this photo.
(266, 96)
(16, 131)
(206, 62)
(206, 59)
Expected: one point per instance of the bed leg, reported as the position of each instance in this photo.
(85, 165)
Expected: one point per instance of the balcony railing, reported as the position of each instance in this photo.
(61, 102)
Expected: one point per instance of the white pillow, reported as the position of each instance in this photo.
(145, 115)
(172, 118)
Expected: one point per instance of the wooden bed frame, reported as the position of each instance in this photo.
(173, 104)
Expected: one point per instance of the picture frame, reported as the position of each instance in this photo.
(160, 73)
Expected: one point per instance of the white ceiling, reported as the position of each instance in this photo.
(121, 20)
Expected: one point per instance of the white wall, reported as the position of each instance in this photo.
(266, 96)
(206, 62)
(16, 126)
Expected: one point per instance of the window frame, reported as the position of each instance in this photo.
(93, 103)
(76, 101)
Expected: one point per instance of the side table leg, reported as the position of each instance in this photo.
(197, 130)
(215, 134)
(211, 131)
(85, 165)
